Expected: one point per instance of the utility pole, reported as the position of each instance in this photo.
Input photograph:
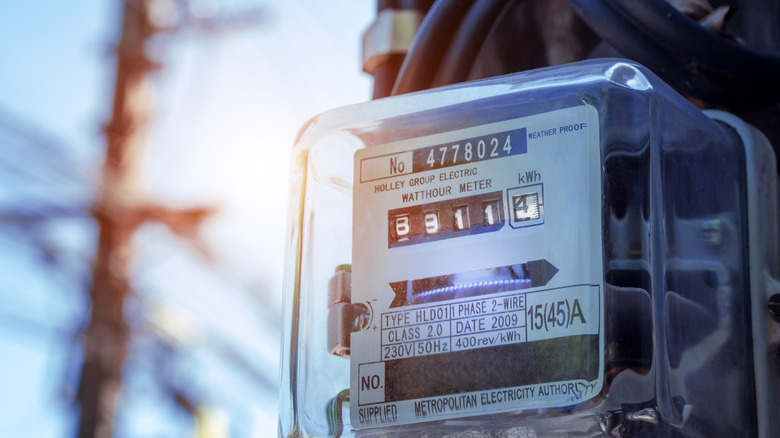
(120, 209)
(118, 212)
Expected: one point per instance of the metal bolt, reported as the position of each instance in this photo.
(648, 415)
(609, 423)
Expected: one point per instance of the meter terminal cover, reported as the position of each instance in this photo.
(569, 251)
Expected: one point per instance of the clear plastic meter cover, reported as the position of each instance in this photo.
(568, 251)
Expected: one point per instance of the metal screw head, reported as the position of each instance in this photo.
(712, 233)
(360, 322)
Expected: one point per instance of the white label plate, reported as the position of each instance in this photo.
(479, 255)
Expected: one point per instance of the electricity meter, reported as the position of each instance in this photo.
(571, 251)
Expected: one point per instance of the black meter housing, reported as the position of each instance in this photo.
(620, 290)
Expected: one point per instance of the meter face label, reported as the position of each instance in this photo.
(479, 255)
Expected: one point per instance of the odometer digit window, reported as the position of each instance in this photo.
(444, 220)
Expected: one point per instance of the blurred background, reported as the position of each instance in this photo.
(144, 154)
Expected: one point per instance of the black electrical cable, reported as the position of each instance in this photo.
(611, 26)
(386, 71)
(689, 57)
(429, 45)
(671, 28)
(468, 41)
(385, 74)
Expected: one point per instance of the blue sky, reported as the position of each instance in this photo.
(228, 109)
